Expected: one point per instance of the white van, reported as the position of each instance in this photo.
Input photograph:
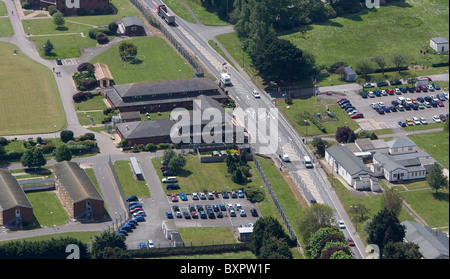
(308, 162)
(286, 158)
(225, 79)
(169, 179)
(401, 99)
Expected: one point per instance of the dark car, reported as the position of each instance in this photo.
(436, 86)
(225, 194)
(58, 61)
(428, 98)
(132, 198)
(414, 106)
(254, 212)
(433, 104)
(417, 89)
(172, 186)
(407, 107)
(402, 123)
(380, 110)
(403, 89)
(442, 117)
(186, 215)
(393, 108)
(410, 89)
(421, 99)
(219, 214)
(169, 173)
(363, 94)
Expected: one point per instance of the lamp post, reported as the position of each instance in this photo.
(355, 208)
(306, 130)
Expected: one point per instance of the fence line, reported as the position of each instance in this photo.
(150, 17)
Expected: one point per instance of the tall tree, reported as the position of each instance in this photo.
(384, 228)
(343, 134)
(63, 153)
(58, 20)
(266, 228)
(380, 61)
(27, 159)
(39, 158)
(391, 200)
(401, 250)
(48, 47)
(399, 60)
(436, 178)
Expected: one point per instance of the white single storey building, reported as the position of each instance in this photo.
(439, 44)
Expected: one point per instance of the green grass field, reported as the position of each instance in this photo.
(436, 144)
(311, 106)
(379, 31)
(130, 186)
(43, 203)
(157, 61)
(29, 97)
(207, 236)
(5, 27)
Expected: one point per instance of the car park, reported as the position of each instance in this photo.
(436, 119)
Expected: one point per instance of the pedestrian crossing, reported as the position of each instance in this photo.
(289, 150)
(309, 183)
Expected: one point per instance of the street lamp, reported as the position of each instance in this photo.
(306, 130)
(355, 208)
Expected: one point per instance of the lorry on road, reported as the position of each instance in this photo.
(225, 79)
(165, 14)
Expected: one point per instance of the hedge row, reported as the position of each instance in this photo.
(190, 250)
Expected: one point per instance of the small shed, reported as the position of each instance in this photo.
(169, 228)
(103, 75)
(131, 26)
(245, 234)
(439, 44)
(349, 74)
(131, 116)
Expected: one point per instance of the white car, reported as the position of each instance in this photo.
(383, 92)
(194, 196)
(436, 119)
(255, 94)
(169, 179)
(416, 121)
(139, 213)
(151, 244)
(445, 95)
(423, 120)
(427, 104)
(397, 91)
(373, 105)
(341, 224)
(430, 88)
(371, 94)
(381, 104)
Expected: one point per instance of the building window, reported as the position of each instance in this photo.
(133, 28)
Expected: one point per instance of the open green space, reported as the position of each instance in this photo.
(5, 27)
(129, 184)
(156, 61)
(296, 112)
(95, 103)
(436, 144)
(400, 27)
(180, 10)
(195, 176)
(205, 17)
(207, 236)
(29, 97)
(85, 117)
(65, 46)
(47, 209)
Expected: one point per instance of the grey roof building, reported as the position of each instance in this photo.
(432, 244)
(76, 192)
(352, 169)
(15, 208)
(143, 132)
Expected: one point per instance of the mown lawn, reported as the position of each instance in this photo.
(381, 31)
(129, 184)
(436, 144)
(207, 236)
(295, 110)
(47, 209)
(29, 97)
(156, 61)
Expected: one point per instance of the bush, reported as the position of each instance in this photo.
(84, 67)
(78, 97)
(66, 135)
(26, 5)
(101, 38)
(150, 147)
(93, 33)
(3, 141)
(52, 9)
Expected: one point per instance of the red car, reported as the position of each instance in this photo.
(338, 100)
(350, 242)
(424, 88)
(417, 88)
(390, 91)
(414, 100)
(357, 115)
(174, 197)
(442, 117)
(136, 209)
(441, 104)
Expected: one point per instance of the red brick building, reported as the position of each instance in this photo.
(15, 208)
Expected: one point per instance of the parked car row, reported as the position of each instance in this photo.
(207, 196)
(402, 104)
(411, 89)
(208, 211)
(422, 120)
(345, 104)
(135, 209)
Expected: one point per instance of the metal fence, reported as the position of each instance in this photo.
(274, 196)
(150, 17)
